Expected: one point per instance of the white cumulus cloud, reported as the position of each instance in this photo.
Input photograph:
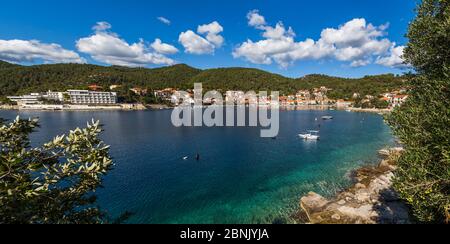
(255, 19)
(163, 48)
(353, 33)
(356, 42)
(394, 59)
(107, 47)
(19, 51)
(195, 43)
(212, 32)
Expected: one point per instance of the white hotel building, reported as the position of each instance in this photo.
(92, 97)
(33, 98)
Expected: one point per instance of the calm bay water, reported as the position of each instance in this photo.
(241, 178)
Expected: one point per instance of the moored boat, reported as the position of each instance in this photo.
(311, 135)
(327, 117)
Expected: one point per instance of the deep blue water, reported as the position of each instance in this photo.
(241, 178)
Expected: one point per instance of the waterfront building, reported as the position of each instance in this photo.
(165, 94)
(238, 97)
(182, 98)
(303, 97)
(92, 97)
(398, 100)
(388, 94)
(386, 99)
(291, 100)
(320, 98)
(139, 91)
(341, 103)
(55, 96)
(33, 98)
(284, 101)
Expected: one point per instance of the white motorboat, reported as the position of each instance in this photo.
(311, 135)
(327, 117)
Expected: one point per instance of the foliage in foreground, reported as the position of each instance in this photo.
(423, 122)
(54, 183)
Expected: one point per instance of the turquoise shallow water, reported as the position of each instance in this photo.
(241, 178)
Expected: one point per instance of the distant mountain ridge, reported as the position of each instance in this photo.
(16, 79)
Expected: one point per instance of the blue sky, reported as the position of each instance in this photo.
(363, 37)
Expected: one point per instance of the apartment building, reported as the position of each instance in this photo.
(92, 97)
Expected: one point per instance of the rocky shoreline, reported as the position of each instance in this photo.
(372, 199)
(70, 107)
(371, 110)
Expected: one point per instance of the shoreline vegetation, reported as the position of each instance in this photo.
(141, 107)
(422, 177)
(371, 199)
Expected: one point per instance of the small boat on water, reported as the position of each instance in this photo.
(311, 135)
(327, 117)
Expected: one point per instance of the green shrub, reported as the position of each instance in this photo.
(423, 122)
(53, 183)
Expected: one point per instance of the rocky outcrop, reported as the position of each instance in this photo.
(371, 200)
(158, 106)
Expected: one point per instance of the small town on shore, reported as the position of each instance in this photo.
(99, 98)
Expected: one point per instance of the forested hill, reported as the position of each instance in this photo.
(6, 65)
(345, 88)
(15, 79)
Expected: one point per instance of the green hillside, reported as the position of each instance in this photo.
(4, 65)
(345, 88)
(15, 79)
(242, 79)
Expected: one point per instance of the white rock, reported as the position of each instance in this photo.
(336, 217)
(313, 202)
(364, 212)
(363, 197)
